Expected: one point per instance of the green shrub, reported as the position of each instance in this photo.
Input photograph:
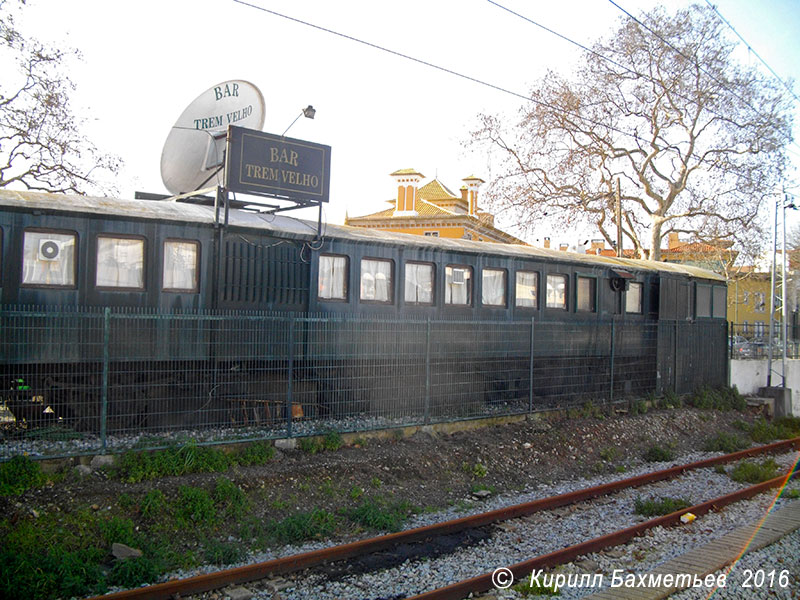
(659, 454)
(663, 506)
(310, 445)
(723, 398)
(20, 474)
(751, 472)
(317, 524)
(378, 514)
(726, 442)
(194, 506)
(258, 453)
(332, 441)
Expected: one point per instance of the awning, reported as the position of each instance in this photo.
(621, 274)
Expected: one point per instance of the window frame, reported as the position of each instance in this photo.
(504, 303)
(565, 278)
(640, 286)
(471, 287)
(51, 286)
(363, 300)
(714, 313)
(196, 243)
(120, 236)
(593, 287)
(433, 283)
(346, 258)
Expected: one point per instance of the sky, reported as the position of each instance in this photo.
(144, 62)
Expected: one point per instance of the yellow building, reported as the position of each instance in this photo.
(434, 210)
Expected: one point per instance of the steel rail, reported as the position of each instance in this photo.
(483, 583)
(218, 579)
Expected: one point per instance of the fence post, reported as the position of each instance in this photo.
(611, 391)
(427, 413)
(530, 371)
(289, 377)
(104, 384)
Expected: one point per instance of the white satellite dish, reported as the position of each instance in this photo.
(193, 152)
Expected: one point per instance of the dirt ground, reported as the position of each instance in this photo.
(431, 471)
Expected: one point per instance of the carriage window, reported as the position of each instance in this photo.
(458, 286)
(557, 291)
(703, 301)
(633, 298)
(332, 283)
(120, 262)
(180, 265)
(526, 289)
(48, 258)
(720, 300)
(376, 280)
(586, 301)
(419, 283)
(493, 290)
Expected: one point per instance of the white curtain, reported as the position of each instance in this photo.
(332, 282)
(419, 284)
(526, 289)
(120, 262)
(458, 286)
(180, 265)
(493, 291)
(556, 291)
(376, 280)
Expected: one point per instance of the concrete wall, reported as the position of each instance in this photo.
(749, 375)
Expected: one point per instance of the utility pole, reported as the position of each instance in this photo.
(619, 220)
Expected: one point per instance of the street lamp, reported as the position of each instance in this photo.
(308, 112)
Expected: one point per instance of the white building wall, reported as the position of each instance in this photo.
(749, 375)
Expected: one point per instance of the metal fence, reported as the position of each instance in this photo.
(748, 341)
(84, 381)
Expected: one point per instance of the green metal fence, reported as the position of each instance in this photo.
(87, 381)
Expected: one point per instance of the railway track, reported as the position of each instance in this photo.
(322, 559)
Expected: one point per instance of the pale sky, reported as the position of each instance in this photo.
(145, 61)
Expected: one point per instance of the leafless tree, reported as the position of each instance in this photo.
(41, 143)
(696, 140)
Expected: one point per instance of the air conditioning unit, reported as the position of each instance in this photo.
(49, 250)
(458, 277)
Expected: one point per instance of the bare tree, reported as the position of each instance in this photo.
(41, 144)
(696, 141)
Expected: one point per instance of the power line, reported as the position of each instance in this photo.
(750, 49)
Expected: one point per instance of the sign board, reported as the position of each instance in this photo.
(264, 164)
(193, 152)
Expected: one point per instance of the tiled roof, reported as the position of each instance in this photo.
(436, 190)
(424, 209)
(406, 172)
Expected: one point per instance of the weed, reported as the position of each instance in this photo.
(723, 398)
(381, 515)
(327, 487)
(223, 553)
(620, 469)
(720, 469)
(482, 487)
(610, 454)
(230, 498)
(356, 492)
(751, 472)
(528, 587)
(20, 474)
(659, 454)
(133, 467)
(258, 453)
(310, 445)
(360, 442)
(725, 442)
(126, 501)
(375, 482)
(153, 504)
(638, 407)
(790, 494)
(663, 506)
(303, 526)
(195, 507)
(133, 572)
(332, 441)
(118, 530)
(477, 470)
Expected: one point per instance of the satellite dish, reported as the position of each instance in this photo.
(193, 152)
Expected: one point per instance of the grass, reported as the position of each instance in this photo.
(19, 475)
(752, 472)
(314, 524)
(651, 507)
(726, 442)
(382, 515)
(525, 588)
(722, 398)
(659, 454)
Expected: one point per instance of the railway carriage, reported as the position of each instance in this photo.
(155, 258)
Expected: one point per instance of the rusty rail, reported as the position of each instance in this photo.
(296, 562)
